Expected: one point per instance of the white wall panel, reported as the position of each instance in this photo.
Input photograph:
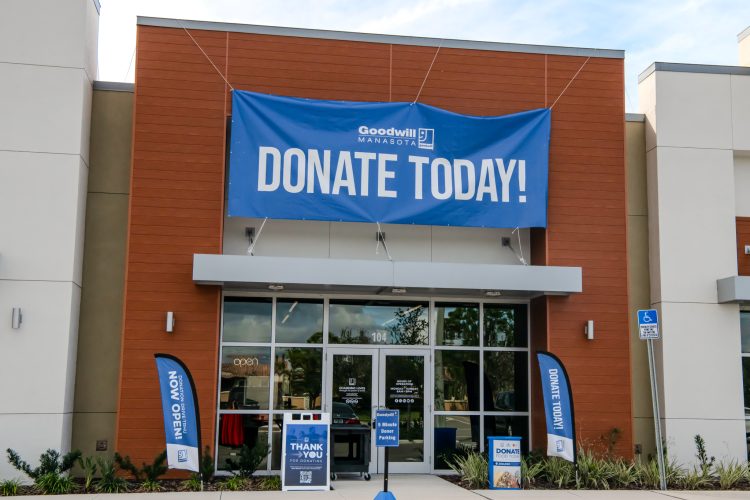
(742, 184)
(42, 206)
(35, 360)
(693, 110)
(725, 439)
(31, 435)
(43, 109)
(741, 112)
(696, 227)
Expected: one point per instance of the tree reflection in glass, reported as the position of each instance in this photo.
(378, 322)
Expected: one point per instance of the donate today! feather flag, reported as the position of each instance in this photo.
(180, 408)
(558, 407)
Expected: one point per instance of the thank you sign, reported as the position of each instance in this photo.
(402, 163)
(305, 454)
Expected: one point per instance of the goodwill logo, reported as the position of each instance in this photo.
(425, 137)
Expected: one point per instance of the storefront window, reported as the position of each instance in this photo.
(454, 436)
(457, 324)
(745, 338)
(505, 325)
(247, 320)
(456, 380)
(378, 322)
(299, 321)
(505, 381)
(245, 378)
(506, 425)
(237, 431)
(297, 378)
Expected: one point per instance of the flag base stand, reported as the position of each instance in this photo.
(385, 495)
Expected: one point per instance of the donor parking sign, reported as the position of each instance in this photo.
(305, 455)
(401, 163)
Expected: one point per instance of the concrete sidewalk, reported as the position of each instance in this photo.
(420, 487)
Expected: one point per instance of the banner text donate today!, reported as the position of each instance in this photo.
(351, 172)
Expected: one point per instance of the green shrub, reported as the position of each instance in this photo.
(109, 482)
(9, 487)
(559, 472)
(705, 463)
(207, 465)
(270, 483)
(53, 483)
(731, 474)
(234, 483)
(694, 479)
(49, 462)
(625, 474)
(50, 477)
(88, 466)
(193, 483)
(593, 473)
(531, 470)
(249, 459)
(473, 469)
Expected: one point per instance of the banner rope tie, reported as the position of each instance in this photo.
(428, 71)
(520, 247)
(252, 245)
(385, 245)
(571, 81)
(209, 60)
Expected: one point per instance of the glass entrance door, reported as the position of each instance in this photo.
(361, 380)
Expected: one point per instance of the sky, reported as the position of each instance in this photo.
(686, 31)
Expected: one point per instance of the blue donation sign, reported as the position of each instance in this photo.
(400, 163)
(180, 408)
(505, 464)
(558, 407)
(305, 453)
(386, 428)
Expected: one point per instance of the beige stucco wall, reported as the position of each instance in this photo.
(638, 282)
(103, 271)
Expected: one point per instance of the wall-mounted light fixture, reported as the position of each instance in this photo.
(747, 249)
(16, 318)
(589, 329)
(170, 322)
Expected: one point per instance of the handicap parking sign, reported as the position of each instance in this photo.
(648, 324)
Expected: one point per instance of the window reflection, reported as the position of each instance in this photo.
(247, 319)
(299, 321)
(378, 322)
(457, 324)
(745, 330)
(505, 381)
(456, 380)
(454, 436)
(297, 378)
(236, 431)
(504, 425)
(245, 376)
(505, 325)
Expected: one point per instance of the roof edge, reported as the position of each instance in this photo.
(114, 86)
(376, 38)
(635, 117)
(693, 68)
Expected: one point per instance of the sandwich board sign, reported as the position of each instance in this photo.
(505, 463)
(648, 324)
(305, 457)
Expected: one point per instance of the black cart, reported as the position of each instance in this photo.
(350, 448)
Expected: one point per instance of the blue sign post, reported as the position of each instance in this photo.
(648, 330)
(388, 162)
(387, 424)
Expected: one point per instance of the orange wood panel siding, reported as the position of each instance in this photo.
(178, 188)
(743, 238)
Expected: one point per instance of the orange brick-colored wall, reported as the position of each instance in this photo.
(181, 105)
(743, 238)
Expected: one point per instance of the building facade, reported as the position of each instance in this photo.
(276, 316)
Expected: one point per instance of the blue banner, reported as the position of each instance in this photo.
(180, 408)
(558, 407)
(400, 163)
